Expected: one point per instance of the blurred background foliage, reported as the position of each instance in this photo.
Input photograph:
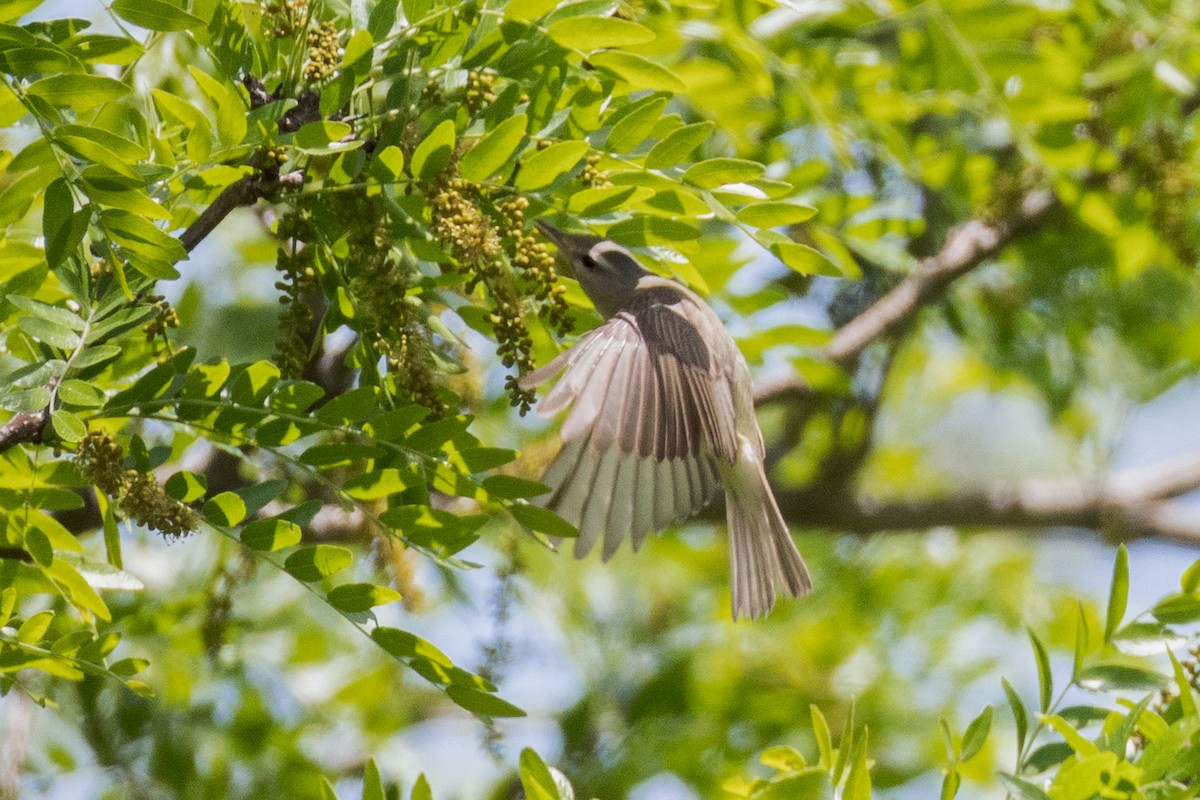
(1017, 178)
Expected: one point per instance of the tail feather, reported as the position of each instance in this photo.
(761, 549)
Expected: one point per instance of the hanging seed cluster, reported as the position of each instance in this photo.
(324, 54)
(101, 461)
(380, 285)
(480, 91)
(165, 318)
(593, 177)
(534, 264)
(471, 238)
(283, 18)
(295, 261)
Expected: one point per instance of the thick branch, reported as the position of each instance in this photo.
(244, 192)
(1128, 504)
(23, 428)
(966, 247)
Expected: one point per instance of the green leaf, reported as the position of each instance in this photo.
(357, 597)
(593, 33)
(49, 332)
(75, 392)
(718, 171)
(783, 759)
(78, 92)
(483, 703)
(320, 561)
(421, 790)
(1045, 679)
(226, 509)
(509, 487)
(25, 400)
(353, 406)
(1021, 789)
(774, 214)
(128, 667)
(951, 785)
(403, 644)
(1118, 595)
(1111, 675)
(372, 782)
(600, 199)
(267, 535)
(95, 355)
(1082, 640)
(823, 737)
(69, 427)
(387, 166)
(1177, 609)
(812, 783)
(1187, 700)
(1078, 742)
(432, 155)
(536, 778)
(638, 71)
(494, 150)
(635, 124)
(155, 15)
(858, 783)
(976, 734)
(295, 397)
(8, 601)
(804, 259)
(481, 459)
(679, 145)
(377, 484)
(545, 166)
(186, 487)
(542, 520)
(33, 630)
(323, 137)
(57, 216)
(1020, 716)
(59, 316)
(528, 10)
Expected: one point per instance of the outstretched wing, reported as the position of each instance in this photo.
(651, 413)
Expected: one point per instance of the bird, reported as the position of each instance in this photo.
(662, 417)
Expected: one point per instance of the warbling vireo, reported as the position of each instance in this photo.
(663, 416)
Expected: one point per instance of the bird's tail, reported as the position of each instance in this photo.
(760, 548)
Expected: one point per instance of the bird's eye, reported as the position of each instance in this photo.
(588, 261)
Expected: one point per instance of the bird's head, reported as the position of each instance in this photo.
(608, 273)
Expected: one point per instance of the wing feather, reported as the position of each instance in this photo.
(651, 414)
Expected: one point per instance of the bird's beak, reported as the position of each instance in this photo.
(568, 247)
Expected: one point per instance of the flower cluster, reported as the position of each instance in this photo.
(294, 260)
(480, 91)
(164, 319)
(102, 462)
(324, 54)
(593, 176)
(283, 18)
(380, 284)
(471, 238)
(533, 262)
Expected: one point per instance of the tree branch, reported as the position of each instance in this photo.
(966, 247)
(244, 192)
(23, 427)
(1127, 504)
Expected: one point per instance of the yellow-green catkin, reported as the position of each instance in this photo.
(381, 285)
(324, 54)
(294, 259)
(472, 240)
(101, 461)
